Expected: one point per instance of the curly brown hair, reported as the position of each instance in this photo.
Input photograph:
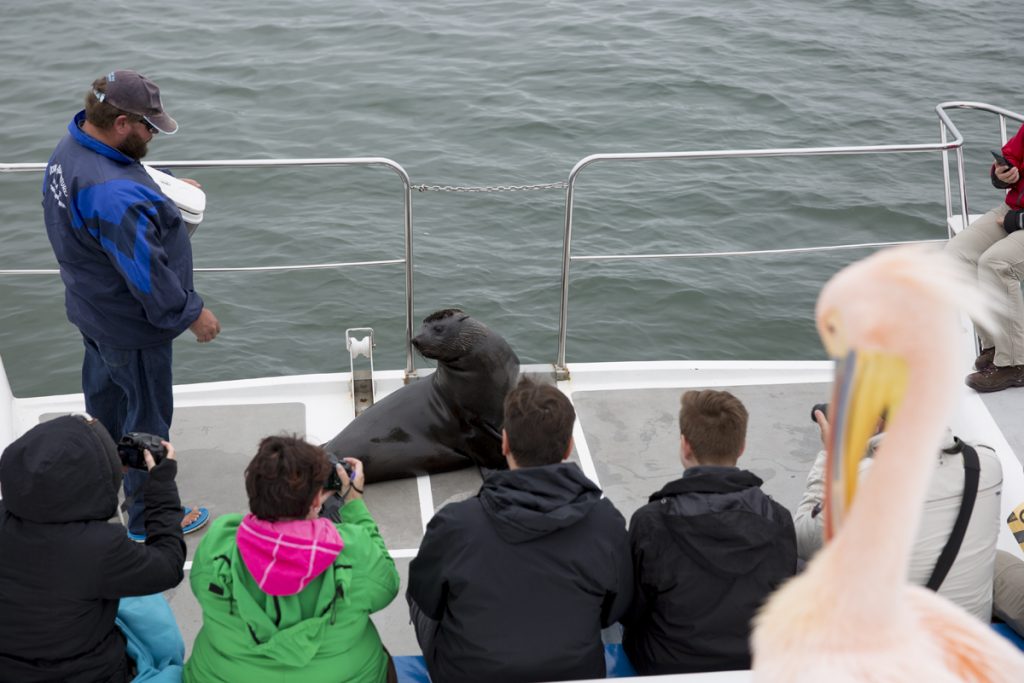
(284, 477)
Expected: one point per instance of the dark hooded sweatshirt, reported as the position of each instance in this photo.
(707, 551)
(63, 565)
(522, 578)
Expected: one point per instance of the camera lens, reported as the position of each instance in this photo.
(333, 482)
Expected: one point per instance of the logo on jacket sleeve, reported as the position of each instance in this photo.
(58, 189)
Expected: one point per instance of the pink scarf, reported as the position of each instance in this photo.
(284, 557)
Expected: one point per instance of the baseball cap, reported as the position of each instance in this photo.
(132, 92)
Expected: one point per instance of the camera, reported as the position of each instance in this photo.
(333, 482)
(823, 407)
(131, 445)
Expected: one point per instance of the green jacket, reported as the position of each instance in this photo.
(322, 633)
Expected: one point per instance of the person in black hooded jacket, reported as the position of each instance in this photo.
(516, 583)
(707, 549)
(63, 564)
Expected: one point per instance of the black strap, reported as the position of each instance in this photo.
(972, 473)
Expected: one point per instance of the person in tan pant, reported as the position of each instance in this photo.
(994, 246)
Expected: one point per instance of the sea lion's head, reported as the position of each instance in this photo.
(448, 335)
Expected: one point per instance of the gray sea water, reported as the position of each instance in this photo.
(497, 92)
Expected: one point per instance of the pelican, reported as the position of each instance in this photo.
(891, 322)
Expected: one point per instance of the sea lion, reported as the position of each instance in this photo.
(449, 420)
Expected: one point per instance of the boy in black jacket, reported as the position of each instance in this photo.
(63, 565)
(707, 549)
(516, 583)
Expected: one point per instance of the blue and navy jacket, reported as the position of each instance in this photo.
(122, 246)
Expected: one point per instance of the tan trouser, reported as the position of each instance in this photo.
(999, 261)
(1008, 590)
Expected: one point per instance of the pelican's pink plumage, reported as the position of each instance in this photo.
(852, 616)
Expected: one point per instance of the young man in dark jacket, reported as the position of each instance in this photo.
(707, 549)
(63, 565)
(517, 583)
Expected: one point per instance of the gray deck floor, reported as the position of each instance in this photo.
(1007, 409)
(632, 435)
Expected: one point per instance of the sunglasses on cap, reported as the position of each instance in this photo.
(149, 126)
(134, 117)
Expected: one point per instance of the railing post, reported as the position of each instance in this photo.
(561, 371)
(410, 359)
(965, 212)
(945, 177)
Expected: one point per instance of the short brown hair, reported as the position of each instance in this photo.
(102, 114)
(538, 422)
(284, 477)
(714, 424)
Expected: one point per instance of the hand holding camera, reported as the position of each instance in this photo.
(142, 451)
(346, 476)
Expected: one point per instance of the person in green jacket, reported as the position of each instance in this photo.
(286, 594)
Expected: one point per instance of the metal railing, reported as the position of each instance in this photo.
(561, 370)
(945, 126)
(410, 365)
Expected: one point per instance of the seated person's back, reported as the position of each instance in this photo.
(286, 595)
(969, 581)
(707, 550)
(63, 564)
(516, 583)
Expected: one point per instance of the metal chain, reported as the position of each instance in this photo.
(492, 188)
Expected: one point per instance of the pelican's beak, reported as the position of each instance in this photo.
(868, 385)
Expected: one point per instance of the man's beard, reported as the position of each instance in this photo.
(133, 146)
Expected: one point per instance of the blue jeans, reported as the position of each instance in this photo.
(129, 390)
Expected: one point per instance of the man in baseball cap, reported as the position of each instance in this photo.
(126, 262)
(132, 92)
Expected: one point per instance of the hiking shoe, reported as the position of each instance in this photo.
(986, 359)
(996, 378)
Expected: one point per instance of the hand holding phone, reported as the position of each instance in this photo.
(1000, 159)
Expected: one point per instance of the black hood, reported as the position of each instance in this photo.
(63, 470)
(531, 502)
(730, 533)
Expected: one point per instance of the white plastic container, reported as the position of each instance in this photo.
(190, 200)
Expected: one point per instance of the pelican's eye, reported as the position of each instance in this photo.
(831, 328)
(831, 334)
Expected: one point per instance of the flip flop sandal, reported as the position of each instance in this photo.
(199, 516)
